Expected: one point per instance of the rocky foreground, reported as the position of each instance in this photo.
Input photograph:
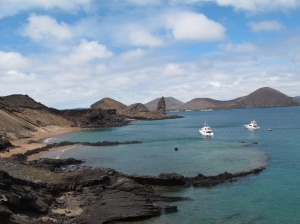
(59, 191)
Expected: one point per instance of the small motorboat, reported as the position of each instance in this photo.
(206, 130)
(252, 126)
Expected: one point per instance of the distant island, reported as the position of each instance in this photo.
(263, 97)
(21, 116)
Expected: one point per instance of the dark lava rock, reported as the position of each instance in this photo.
(31, 193)
(53, 165)
(4, 143)
(19, 157)
(161, 106)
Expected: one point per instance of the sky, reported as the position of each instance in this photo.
(70, 54)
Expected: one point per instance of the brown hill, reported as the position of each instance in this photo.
(108, 103)
(263, 97)
(203, 104)
(134, 110)
(20, 115)
(171, 104)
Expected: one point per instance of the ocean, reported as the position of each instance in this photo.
(271, 196)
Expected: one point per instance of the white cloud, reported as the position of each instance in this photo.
(143, 38)
(101, 68)
(13, 60)
(197, 27)
(260, 5)
(13, 7)
(172, 69)
(45, 28)
(132, 54)
(223, 80)
(86, 52)
(119, 82)
(270, 25)
(15, 77)
(70, 79)
(243, 47)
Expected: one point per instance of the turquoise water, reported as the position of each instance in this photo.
(269, 197)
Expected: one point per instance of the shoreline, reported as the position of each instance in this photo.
(38, 155)
(38, 138)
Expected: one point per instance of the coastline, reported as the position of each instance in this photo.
(37, 141)
(38, 155)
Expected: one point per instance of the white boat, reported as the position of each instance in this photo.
(253, 125)
(206, 130)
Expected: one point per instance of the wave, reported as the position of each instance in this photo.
(61, 152)
(48, 140)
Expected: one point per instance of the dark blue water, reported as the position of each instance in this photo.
(269, 197)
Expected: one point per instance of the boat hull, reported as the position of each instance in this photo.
(206, 134)
(251, 128)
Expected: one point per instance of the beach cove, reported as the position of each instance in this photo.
(253, 198)
(265, 198)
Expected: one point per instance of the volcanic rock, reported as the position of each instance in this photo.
(92, 118)
(161, 106)
(171, 104)
(4, 143)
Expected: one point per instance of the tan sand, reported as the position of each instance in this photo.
(38, 136)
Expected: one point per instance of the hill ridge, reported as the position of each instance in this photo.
(262, 97)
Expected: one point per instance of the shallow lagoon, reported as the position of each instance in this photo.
(270, 197)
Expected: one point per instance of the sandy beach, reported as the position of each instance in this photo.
(37, 140)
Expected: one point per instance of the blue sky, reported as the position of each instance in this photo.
(69, 54)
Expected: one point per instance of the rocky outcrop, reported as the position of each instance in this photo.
(107, 104)
(50, 191)
(174, 179)
(92, 118)
(171, 104)
(86, 195)
(134, 110)
(161, 106)
(4, 144)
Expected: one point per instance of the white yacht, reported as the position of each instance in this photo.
(206, 130)
(253, 125)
